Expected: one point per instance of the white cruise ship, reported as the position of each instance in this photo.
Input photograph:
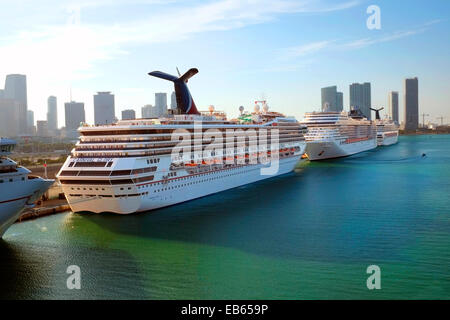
(387, 130)
(18, 189)
(338, 134)
(140, 165)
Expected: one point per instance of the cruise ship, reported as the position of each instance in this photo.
(18, 189)
(338, 134)
(387, 130)
(139, 165)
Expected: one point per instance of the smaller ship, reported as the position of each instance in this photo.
(18, 188)
(338, 134)
(387, 130)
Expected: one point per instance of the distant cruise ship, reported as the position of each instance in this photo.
(130, 167)
(18, 188)
(387, 130)
(338, 134)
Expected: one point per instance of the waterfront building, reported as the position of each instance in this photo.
(16, 89)
(360, 98)
(74, 116)
(411, 103)
(52, 114)
(42, 128)
(104, 109)
(128, 114)
(393, 106)
(160, 104)
(173, 101)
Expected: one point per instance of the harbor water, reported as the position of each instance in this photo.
(310, 234)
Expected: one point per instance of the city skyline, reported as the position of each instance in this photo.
(283, 52)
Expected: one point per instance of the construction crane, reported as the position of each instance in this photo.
(423, 119)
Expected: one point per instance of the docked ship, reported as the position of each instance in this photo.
(338, 134)
(139, 165)
(18, 188)
(387, 130)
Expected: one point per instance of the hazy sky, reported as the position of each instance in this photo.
(283, 50)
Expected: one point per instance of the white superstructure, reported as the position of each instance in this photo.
(144, 164)
(18, 188)
(387, 132)
(338, 134)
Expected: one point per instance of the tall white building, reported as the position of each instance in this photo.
(52, 114)
(173, 101)
(104, 108)
(75, 115)
(360, 98)
(161, 103)
(30, 121)
(393, 105)
(16, 89)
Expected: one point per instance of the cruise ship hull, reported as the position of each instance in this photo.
(387, 139)
(15, 196)
(154, 195)
(321, 150)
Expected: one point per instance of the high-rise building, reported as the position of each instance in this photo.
(173, 101)
(360, 98)
(128, 114)
(30, 121)
(411, 102)
(16, 89)
(393, 105)
(146, 111)
(74, 115)
(339, 101)
(104, 109)
(331, 99)
(161, 103)
(52, 114)
(328, 95)
(42, 128)
(9, 117)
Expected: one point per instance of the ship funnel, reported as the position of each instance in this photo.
(377, 113)
(185, 103)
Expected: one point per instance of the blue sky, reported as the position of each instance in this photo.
(283, 51)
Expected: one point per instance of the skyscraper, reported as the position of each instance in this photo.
(74, 114)
(328, 98)
(411, 102)
(16, 89)
(393, 105)
(331, 99)
(104, 112)
(30, 121)
(173, 101)
(128, 114)
(360, 98)
(9, 117)
(161, 103)
(146, 111)
(339, 101)
(52, 114)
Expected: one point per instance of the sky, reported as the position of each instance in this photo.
(283, 51)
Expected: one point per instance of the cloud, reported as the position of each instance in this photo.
(306, 49)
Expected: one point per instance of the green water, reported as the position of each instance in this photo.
(307, 235)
